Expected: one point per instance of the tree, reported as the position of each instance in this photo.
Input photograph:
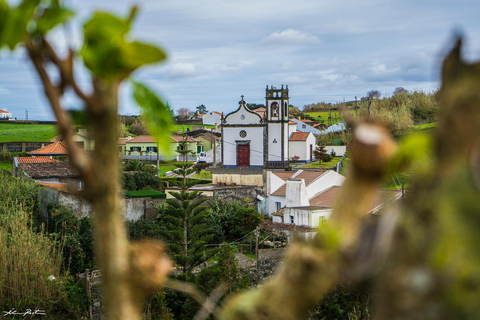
(374, 94)
(201, 109)
(399, 90)
(185, 220)
(320, 153)
(184, 114)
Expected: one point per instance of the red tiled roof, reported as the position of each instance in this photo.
(327, 197)
(48, 170)
(219, 113)
(3, 111)
(284, 175)
(84, 134)
(201, 115)
(299, 136)
(142, 139)
(308, 175)
(261, 109)
(35, 159)
(53, 185)
(177, 138)
(292, 122)
(55, 148)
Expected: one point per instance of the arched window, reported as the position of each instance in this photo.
(285, 109)
(274, 109)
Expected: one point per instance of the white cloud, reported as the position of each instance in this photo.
(294, 80)
(181, 70)
(291, 36)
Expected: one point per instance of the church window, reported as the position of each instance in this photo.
(285, 112)
(292, 219)
(274, 108)
(243, 134)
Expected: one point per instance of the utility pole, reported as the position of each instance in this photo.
(26, 114)
(158, 159)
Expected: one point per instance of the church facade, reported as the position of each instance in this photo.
(252, 141)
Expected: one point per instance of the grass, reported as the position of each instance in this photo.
(416, 129)
(204, 174)
(164, 169)
(146, 193)
(6, 165)
(183, 127)
(323, 116)
(323, 165)
(11, 132)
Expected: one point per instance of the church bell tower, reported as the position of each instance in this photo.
(276, 135)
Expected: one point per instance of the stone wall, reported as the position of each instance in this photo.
(133, 209)
(238, 193)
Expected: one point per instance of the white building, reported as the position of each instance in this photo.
(301, 144)
(297, 188)
(250, 141)
(5, 115)
(212, 118)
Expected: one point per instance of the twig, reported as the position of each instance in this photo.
(78, 156)
(211, 303)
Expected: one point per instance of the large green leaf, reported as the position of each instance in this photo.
(16, 22)
(156, 113)
(52, 16)
(108, 53)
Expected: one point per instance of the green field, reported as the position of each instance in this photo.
(323, 165)
(183, 128)
(11, 132)
(323, 116)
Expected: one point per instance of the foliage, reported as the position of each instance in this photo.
(158, 114)
(187, 234)
(321, 153)
(138, 127)
(374, 94)
(146, 193)
(184, 114)
(345, 302)
(12, 132)
(141, 181)
(235, 219)
(77, 238)
(224, 272)
(23, 190)
(27, 260)
(142, 229)
(295, 158)
(204, 174)
(201, 109)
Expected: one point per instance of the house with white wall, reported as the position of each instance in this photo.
(302, 145)
(5, 115)
(314, 212)
(314, 181)
(212, 118)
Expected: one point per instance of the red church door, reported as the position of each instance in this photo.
(243, 155)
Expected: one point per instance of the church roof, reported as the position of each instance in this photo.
(299, 136)
(242, 109)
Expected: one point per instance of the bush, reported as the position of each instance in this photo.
(142, 181)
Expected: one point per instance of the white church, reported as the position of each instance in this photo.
(250, 141)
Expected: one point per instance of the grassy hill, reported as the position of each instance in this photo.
(12, 132)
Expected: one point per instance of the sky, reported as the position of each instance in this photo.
(218, 50)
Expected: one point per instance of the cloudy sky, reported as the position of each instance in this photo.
(220, 49)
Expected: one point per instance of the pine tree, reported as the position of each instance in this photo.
(320, 152)
(185, 221)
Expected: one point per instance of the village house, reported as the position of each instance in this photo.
(212, 118)
(5, 115)
(308, 184)
(147, 145)
(301, 145)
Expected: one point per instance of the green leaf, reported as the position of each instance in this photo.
(52, 16)
(156, 113)
(137, 54)
(108, 53)
(16, 22)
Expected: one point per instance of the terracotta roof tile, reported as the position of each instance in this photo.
(53, 185)
(299, 136)
(284, 175)
(327, 197)
(219, 113)
(48, 170)
(292, 122)
(3, 111)
(55, 148)
(308, 175)
(35, 159)
(142, 139)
